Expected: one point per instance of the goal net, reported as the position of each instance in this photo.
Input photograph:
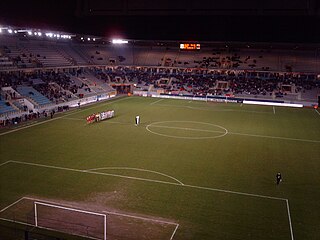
(70, 220)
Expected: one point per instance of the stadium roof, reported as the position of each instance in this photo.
(198, 20)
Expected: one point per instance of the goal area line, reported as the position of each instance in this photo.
(285, 200)
(104, 214)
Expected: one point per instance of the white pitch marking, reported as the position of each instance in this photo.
(157, 101)
(274, 110)
(289, 217)
(173, 136)
(136, 169)
(108, 212)
(241, 105)
(14, 203)
(188, 129)
(235, 133)
(174, 232)
(2, 164)
(141, 218)
(92, 172)
(149, 180)
(53, 119)
(53, 204)
(190, 101)
(274, 137)
(317, 111)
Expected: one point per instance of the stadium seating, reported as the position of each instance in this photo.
(33, 94)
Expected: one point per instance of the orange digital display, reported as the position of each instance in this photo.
(190, 46)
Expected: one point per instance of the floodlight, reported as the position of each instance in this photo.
(81, 38)
(39, 34)
(58, 35)
(29, 33)
(94, 39)
(15, 31)
(0, 30)
(10, 31)
(119, 41)
(89, 39)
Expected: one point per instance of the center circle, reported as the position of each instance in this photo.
(187, 129)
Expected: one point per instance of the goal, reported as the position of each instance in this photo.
(70, 220)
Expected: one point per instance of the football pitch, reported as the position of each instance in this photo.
(190, 170)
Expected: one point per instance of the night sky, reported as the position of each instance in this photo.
(61, 16)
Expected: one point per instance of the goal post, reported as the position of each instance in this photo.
(70, 220)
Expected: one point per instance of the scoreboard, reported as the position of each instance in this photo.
(190, 46)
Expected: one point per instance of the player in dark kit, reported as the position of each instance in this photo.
(279, 178)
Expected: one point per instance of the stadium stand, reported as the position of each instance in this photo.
(30, 92)
(51, 72)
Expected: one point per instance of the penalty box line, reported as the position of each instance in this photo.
(168, 183)
(67, 206)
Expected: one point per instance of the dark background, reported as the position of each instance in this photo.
(199, 20)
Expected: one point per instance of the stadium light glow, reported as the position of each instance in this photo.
(89, 39)
(0, 30)
(39, 34)
(119, 41)
(10, 31)
(15, 31)
(58, 35)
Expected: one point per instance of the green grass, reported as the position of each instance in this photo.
(245, 160)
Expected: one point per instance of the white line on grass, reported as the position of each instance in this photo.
(56, 118)
(169, 183)
(68, 206)
(274, 110)
(274, 137)
(135, 169)
(188, 129)
(2, 164)
(235, 133)
(14, 203)
(148, 180)
(317, 111)
(174, 232)
(289, 217)
(156, 101)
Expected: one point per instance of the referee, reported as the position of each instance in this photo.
(137, 120)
